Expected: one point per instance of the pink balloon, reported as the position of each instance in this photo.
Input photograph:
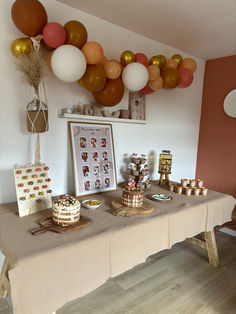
(141, 58)
(186, 77)
(146, 90)
(54, 35)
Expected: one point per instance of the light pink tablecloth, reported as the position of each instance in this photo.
(51, 269)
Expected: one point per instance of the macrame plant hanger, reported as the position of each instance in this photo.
(37, 96)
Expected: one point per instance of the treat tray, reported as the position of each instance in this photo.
(47, 224)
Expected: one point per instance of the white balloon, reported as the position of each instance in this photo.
(68, 63)
(135, 76)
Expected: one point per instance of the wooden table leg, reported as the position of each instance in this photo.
(212, 248)
(4, 281)
(209, 245)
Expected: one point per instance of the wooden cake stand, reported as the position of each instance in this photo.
(125, 211)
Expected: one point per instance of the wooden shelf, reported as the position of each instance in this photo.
(95, 118)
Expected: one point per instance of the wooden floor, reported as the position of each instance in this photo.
(179, 280)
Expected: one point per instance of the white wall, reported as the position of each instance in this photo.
(173, 115)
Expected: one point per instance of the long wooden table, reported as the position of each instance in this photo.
(46, 271)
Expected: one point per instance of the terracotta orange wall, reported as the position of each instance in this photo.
(216, 161)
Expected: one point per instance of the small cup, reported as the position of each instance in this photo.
(171, 187)
(184, 182)
(199, 183)
(179, 189)
(192, 183)
(124, 113)
(196, 191)
(67, 110)
(204, 191)
(188, 191)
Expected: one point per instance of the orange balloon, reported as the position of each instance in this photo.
(171, 63)
(153, 71)
(104, 61)
(111, 94)
(94, 79)
(76, 34)
(93, 52)
(189, 63)
(48, 60)
(30, 17)
(156, 84)
(112, 70)
(171, 78)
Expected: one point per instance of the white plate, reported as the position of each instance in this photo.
(230, 104)
(91, 207)
(161, 197)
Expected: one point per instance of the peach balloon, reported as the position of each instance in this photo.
(189, 63)
(153, 71)
(171, 63)
(121, 66)
(156, 84)
(93, 52)
(112, 69)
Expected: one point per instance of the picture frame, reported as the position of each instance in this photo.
(93, 158)
(137, 106)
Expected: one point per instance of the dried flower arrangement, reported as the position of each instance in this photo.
(31, 69)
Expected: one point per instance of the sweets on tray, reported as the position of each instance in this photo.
(66, 211)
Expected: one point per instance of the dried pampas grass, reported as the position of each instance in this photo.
(31, 68)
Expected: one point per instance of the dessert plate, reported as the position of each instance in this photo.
(91, 204)
(161, 197)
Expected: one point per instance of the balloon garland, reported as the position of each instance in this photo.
(73, 58)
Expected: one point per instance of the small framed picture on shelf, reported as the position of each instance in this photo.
(93, 158)
(137, 106)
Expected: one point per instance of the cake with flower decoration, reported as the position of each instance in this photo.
(66, 211)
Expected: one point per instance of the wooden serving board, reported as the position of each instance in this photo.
(120, 210)
(47, 224)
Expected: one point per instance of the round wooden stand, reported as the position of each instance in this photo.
(122, 210)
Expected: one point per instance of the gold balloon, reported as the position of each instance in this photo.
(159, 60)
(21, 46)
(127, 57)
(177, 59)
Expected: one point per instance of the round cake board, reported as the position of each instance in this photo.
(122, 210)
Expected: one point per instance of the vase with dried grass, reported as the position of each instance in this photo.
(31, 68)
